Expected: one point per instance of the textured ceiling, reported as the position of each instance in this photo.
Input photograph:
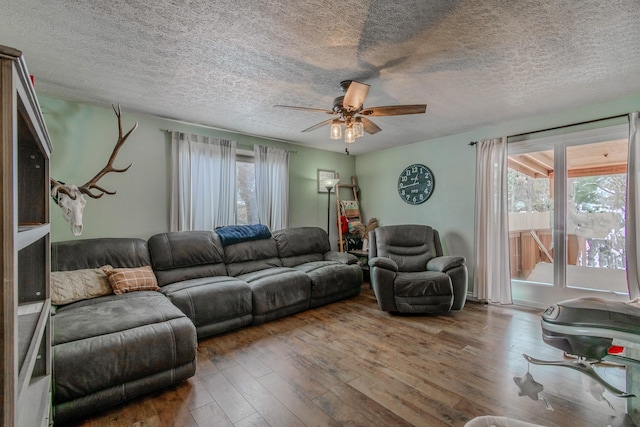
(225, 63)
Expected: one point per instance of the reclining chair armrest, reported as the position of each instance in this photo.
(383, 262)
(342, 257)
(459, 280)
(382, 273)
(444, 263)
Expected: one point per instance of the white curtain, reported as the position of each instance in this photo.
(203, 182)
(492, 278)
(272, 186)
(632, 207)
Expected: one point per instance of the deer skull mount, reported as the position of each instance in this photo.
(71, 199)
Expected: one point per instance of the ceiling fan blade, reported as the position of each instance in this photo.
(355, 95)
(312, 110)
(394, 110)
(369, 126)
(319, 125)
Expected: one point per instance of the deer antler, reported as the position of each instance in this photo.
(86, 188)
(61, 188)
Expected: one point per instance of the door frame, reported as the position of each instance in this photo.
(542, 295)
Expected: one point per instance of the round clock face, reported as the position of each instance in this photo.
(415, 184)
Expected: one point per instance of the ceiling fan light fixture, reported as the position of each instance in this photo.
(336, 130)
(349, 107)
(358, 128)
(349, 135)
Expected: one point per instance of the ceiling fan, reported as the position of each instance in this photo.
(353, 115)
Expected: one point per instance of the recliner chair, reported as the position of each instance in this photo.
(409, 273)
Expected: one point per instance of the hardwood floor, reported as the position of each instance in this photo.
(348, 363)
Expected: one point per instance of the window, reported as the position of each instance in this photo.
(215, 184)
(246, 205)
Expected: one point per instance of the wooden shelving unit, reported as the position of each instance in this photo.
(25, 364)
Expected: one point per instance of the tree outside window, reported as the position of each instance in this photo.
(246, 206)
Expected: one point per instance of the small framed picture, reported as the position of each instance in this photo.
(322, 175)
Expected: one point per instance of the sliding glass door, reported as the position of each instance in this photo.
(566, 220)
(596, 185)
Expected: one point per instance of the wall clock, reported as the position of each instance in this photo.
(415, 184)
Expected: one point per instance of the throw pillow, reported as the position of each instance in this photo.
(350, 208)
(124, 280)
(78, 285)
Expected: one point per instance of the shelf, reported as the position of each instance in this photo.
(359, 252)
(33, 409)
(32, 320)
(25, 148)
(28, 234)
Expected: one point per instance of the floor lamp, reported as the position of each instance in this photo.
(329, 183)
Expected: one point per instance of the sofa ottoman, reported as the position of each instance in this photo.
(111, 349)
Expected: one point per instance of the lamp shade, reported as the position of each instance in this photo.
(336, 130)
(349, 135)
(358, 128)
(329, 183)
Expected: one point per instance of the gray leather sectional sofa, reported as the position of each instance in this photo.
(113, 348)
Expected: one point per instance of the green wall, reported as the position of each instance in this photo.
(83, 137)
(451, 207)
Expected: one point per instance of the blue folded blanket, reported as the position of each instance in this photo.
(231, 234)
